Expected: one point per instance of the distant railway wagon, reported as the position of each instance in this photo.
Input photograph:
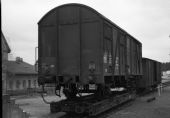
(151, 74)
(78, 46)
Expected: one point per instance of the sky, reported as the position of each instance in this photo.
(146, 20)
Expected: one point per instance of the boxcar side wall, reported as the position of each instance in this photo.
(108, 50)
(122, 55)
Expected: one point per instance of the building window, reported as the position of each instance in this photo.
(11, 84)
(17, 84)
(29, 83)
(24, 84)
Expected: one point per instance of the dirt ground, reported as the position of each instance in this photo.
(140, 108)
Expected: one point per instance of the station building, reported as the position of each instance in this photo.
(21, 77)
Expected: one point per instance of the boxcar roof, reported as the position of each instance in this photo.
(93, 10)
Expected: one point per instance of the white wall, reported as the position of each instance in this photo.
(21, 79)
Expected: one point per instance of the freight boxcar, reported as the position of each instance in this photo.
(151, 74)
(83, 51)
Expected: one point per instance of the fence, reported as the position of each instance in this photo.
(12, 110)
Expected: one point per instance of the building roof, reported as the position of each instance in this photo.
(20, 68)
(5, 45)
